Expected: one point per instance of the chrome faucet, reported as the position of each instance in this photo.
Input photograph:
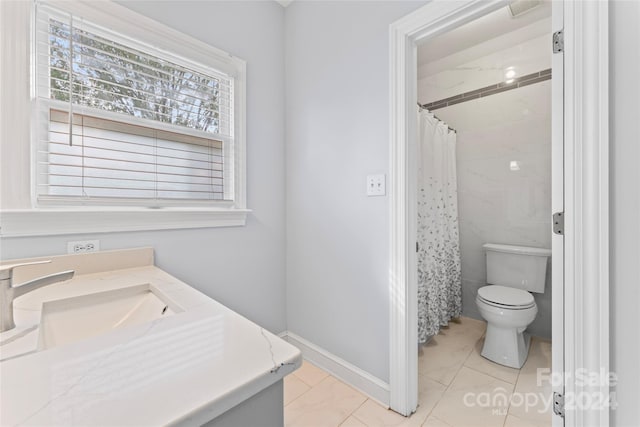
(8, 292)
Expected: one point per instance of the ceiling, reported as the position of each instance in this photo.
(480, 53)
(479, 30)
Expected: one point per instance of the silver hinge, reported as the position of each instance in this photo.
(558, 223)
(558, 41)
(558, 404)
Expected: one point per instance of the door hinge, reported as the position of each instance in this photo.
(417, 247)
(558, 404)
(558, 223)
(558, 41)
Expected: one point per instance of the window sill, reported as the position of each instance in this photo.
(50, 222)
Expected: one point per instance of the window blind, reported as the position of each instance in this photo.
(112, 159)
(122, 121)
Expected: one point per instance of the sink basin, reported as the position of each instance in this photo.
(74, 319)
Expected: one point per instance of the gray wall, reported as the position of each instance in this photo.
(337, 132)
(241, 267)
(624, 116)
(264, 409)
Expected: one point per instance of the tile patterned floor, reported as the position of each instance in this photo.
(458, 388)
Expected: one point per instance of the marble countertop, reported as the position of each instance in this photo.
(185, 369)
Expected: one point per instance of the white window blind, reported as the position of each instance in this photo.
(111, 159)
(120, 122)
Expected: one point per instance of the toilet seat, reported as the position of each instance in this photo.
(506, 298)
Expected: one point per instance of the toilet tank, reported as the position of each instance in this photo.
(519, 267)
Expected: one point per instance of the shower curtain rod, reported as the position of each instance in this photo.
(436, 117)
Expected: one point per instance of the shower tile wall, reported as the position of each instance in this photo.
(504, 144)
(504, 183)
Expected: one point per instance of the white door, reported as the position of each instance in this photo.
(557, 207)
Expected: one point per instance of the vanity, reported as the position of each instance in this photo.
(125, 343)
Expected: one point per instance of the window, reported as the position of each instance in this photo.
(124, 121)
(85, 146)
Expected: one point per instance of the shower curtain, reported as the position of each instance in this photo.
(439, 275)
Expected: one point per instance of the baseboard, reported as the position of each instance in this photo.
(361, 380)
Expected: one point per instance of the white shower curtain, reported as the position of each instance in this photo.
(439, 275)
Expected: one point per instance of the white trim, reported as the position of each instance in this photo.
(586, 325)
(239, 173)
(586, 136)
(40, 222)
(372, 386)
(144, 30)
(403, 382)
(15, 105)
(432, 19)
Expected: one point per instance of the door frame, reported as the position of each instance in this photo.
(585, 294)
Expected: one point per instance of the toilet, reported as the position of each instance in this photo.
(506, 302)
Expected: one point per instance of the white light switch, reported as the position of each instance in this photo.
(376, 185)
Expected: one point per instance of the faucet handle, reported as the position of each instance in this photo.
(6, 271)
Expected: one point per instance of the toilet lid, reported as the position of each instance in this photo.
(506, 296)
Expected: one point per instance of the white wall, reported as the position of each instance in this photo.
(242, 267)
(495, 203)
(337, 132)
(624, 116)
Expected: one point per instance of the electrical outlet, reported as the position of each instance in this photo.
(83, 246)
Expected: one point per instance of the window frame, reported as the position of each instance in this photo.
(18, 218)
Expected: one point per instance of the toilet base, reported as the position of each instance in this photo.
(506, 346)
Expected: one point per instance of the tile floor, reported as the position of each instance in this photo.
(458, 387)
